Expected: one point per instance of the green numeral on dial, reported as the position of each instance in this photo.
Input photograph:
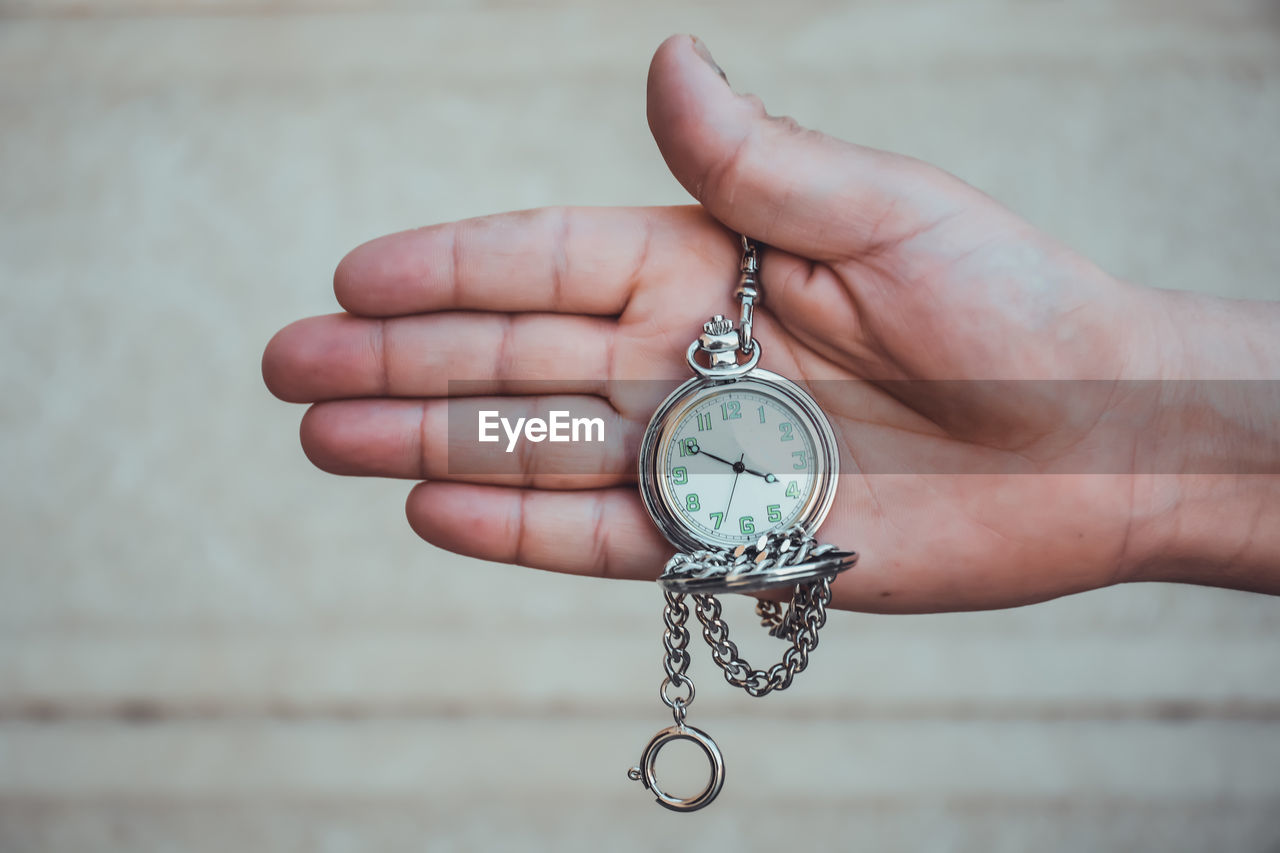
(704, 421)
(774, 515)
(680, 476)
(793, 489)
(799, 456)
(689, 447)
(718, 518)
(760, 409)
(785, 428)
(691, 502)
(730, 410)
(747, 524)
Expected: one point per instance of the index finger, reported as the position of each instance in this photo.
(557, 259)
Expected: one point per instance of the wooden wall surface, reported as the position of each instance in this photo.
(206, 645)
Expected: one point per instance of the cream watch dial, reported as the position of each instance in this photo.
(724, 463)
(738, 464)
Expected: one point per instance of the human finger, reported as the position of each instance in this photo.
(602, 532)
(582, 443)
(562, 259)
(341, 356)
(772, 179)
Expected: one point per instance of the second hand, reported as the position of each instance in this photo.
(736, 474)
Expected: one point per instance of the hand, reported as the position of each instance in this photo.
(737, 472)
(878, 268)
(738, 467)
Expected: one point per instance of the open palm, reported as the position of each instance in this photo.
(891, 289)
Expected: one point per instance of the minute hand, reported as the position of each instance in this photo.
(768, 478)
(739, 468)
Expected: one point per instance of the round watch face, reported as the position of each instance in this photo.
(722, 464)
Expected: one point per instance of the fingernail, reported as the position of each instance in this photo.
(701, 49)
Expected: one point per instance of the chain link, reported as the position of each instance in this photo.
(804, 618)
(749, 292)
(770, 614)
(761, 560)
(798, 623)
(675, 640)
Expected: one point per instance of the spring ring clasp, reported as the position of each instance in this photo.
(645, 770)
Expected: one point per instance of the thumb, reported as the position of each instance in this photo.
(792, 188)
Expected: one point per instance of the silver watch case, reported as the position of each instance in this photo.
(654, 490)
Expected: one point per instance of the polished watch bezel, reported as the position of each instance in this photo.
(655, 491)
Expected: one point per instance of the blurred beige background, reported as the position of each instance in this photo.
(209, 646)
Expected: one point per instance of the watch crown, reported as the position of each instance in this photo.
(717, 325)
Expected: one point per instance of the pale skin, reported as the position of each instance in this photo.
(878, 268)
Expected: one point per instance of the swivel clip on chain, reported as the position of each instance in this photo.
(675, 639)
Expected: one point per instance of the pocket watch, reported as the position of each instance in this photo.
(738, 468)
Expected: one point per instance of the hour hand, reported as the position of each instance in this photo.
(768, 478)
(697, 449)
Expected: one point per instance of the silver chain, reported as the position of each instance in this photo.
(776, 559)
(773, 551)
(804, 618)
(749, 291)
(806, 615)
(675, 639)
